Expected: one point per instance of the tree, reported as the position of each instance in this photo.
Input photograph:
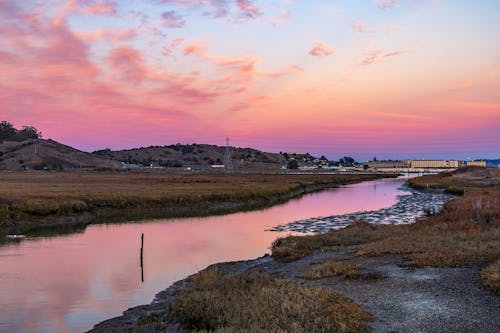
(7, 130)
(292, 164)
(29, 132)
(347, 161)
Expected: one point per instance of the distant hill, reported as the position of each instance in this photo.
(40, 154)
(24, 149)
(495, 162)
(196, 156)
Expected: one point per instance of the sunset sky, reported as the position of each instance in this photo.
(385, 78)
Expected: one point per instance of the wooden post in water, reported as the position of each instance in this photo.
(142, 262)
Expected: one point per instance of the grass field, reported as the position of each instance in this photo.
(45, 196)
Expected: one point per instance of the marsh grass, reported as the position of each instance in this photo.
(333, 268)
(25, 196)
(256, 302)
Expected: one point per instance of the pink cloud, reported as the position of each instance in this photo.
(103, 7)
(128, 62)
(171, 19)
(168, 49)
(110, 35)
(293, 69)
(51, 79)
(244, 68)
(89, 7)
(320, 49)
(248, 9)
(194, 49)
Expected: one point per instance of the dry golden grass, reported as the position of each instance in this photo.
(42, 194)
(256, 302)
(333, 268)
(490, 276)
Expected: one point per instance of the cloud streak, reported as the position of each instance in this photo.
(321, 50)
(376, 55)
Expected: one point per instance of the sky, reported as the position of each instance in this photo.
(387, 78)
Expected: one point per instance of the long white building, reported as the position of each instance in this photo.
(435, 164)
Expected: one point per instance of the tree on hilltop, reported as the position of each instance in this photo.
(9, 132)
(29, 132)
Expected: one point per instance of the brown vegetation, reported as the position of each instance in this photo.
(38, 196)
(333, 268)
(256, 302)
(490, 276)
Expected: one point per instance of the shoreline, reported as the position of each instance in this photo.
(144, 210)
(384, 270)
(401, 298)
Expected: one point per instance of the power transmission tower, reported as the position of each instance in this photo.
(228, 162)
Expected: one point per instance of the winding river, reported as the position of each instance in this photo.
(69, 283)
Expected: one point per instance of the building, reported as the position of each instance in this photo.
(476, 163)
(387, 164)
(435, 164)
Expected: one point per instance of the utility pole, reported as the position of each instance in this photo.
(228, 162)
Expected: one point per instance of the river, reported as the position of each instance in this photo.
(69, 283)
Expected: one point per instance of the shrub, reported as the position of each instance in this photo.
(256, 302)
(490, 276)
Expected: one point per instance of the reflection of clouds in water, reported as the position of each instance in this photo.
(71, 282)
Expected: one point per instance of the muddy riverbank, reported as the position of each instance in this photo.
(409, 207)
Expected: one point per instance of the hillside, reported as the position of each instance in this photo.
(40, 154)
(195, 156)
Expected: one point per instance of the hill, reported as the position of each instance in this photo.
(195, 156)
(493, 162)
(40, 154)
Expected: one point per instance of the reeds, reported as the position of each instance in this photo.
(29, 196)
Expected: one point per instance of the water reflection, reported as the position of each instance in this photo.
(69, 283)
